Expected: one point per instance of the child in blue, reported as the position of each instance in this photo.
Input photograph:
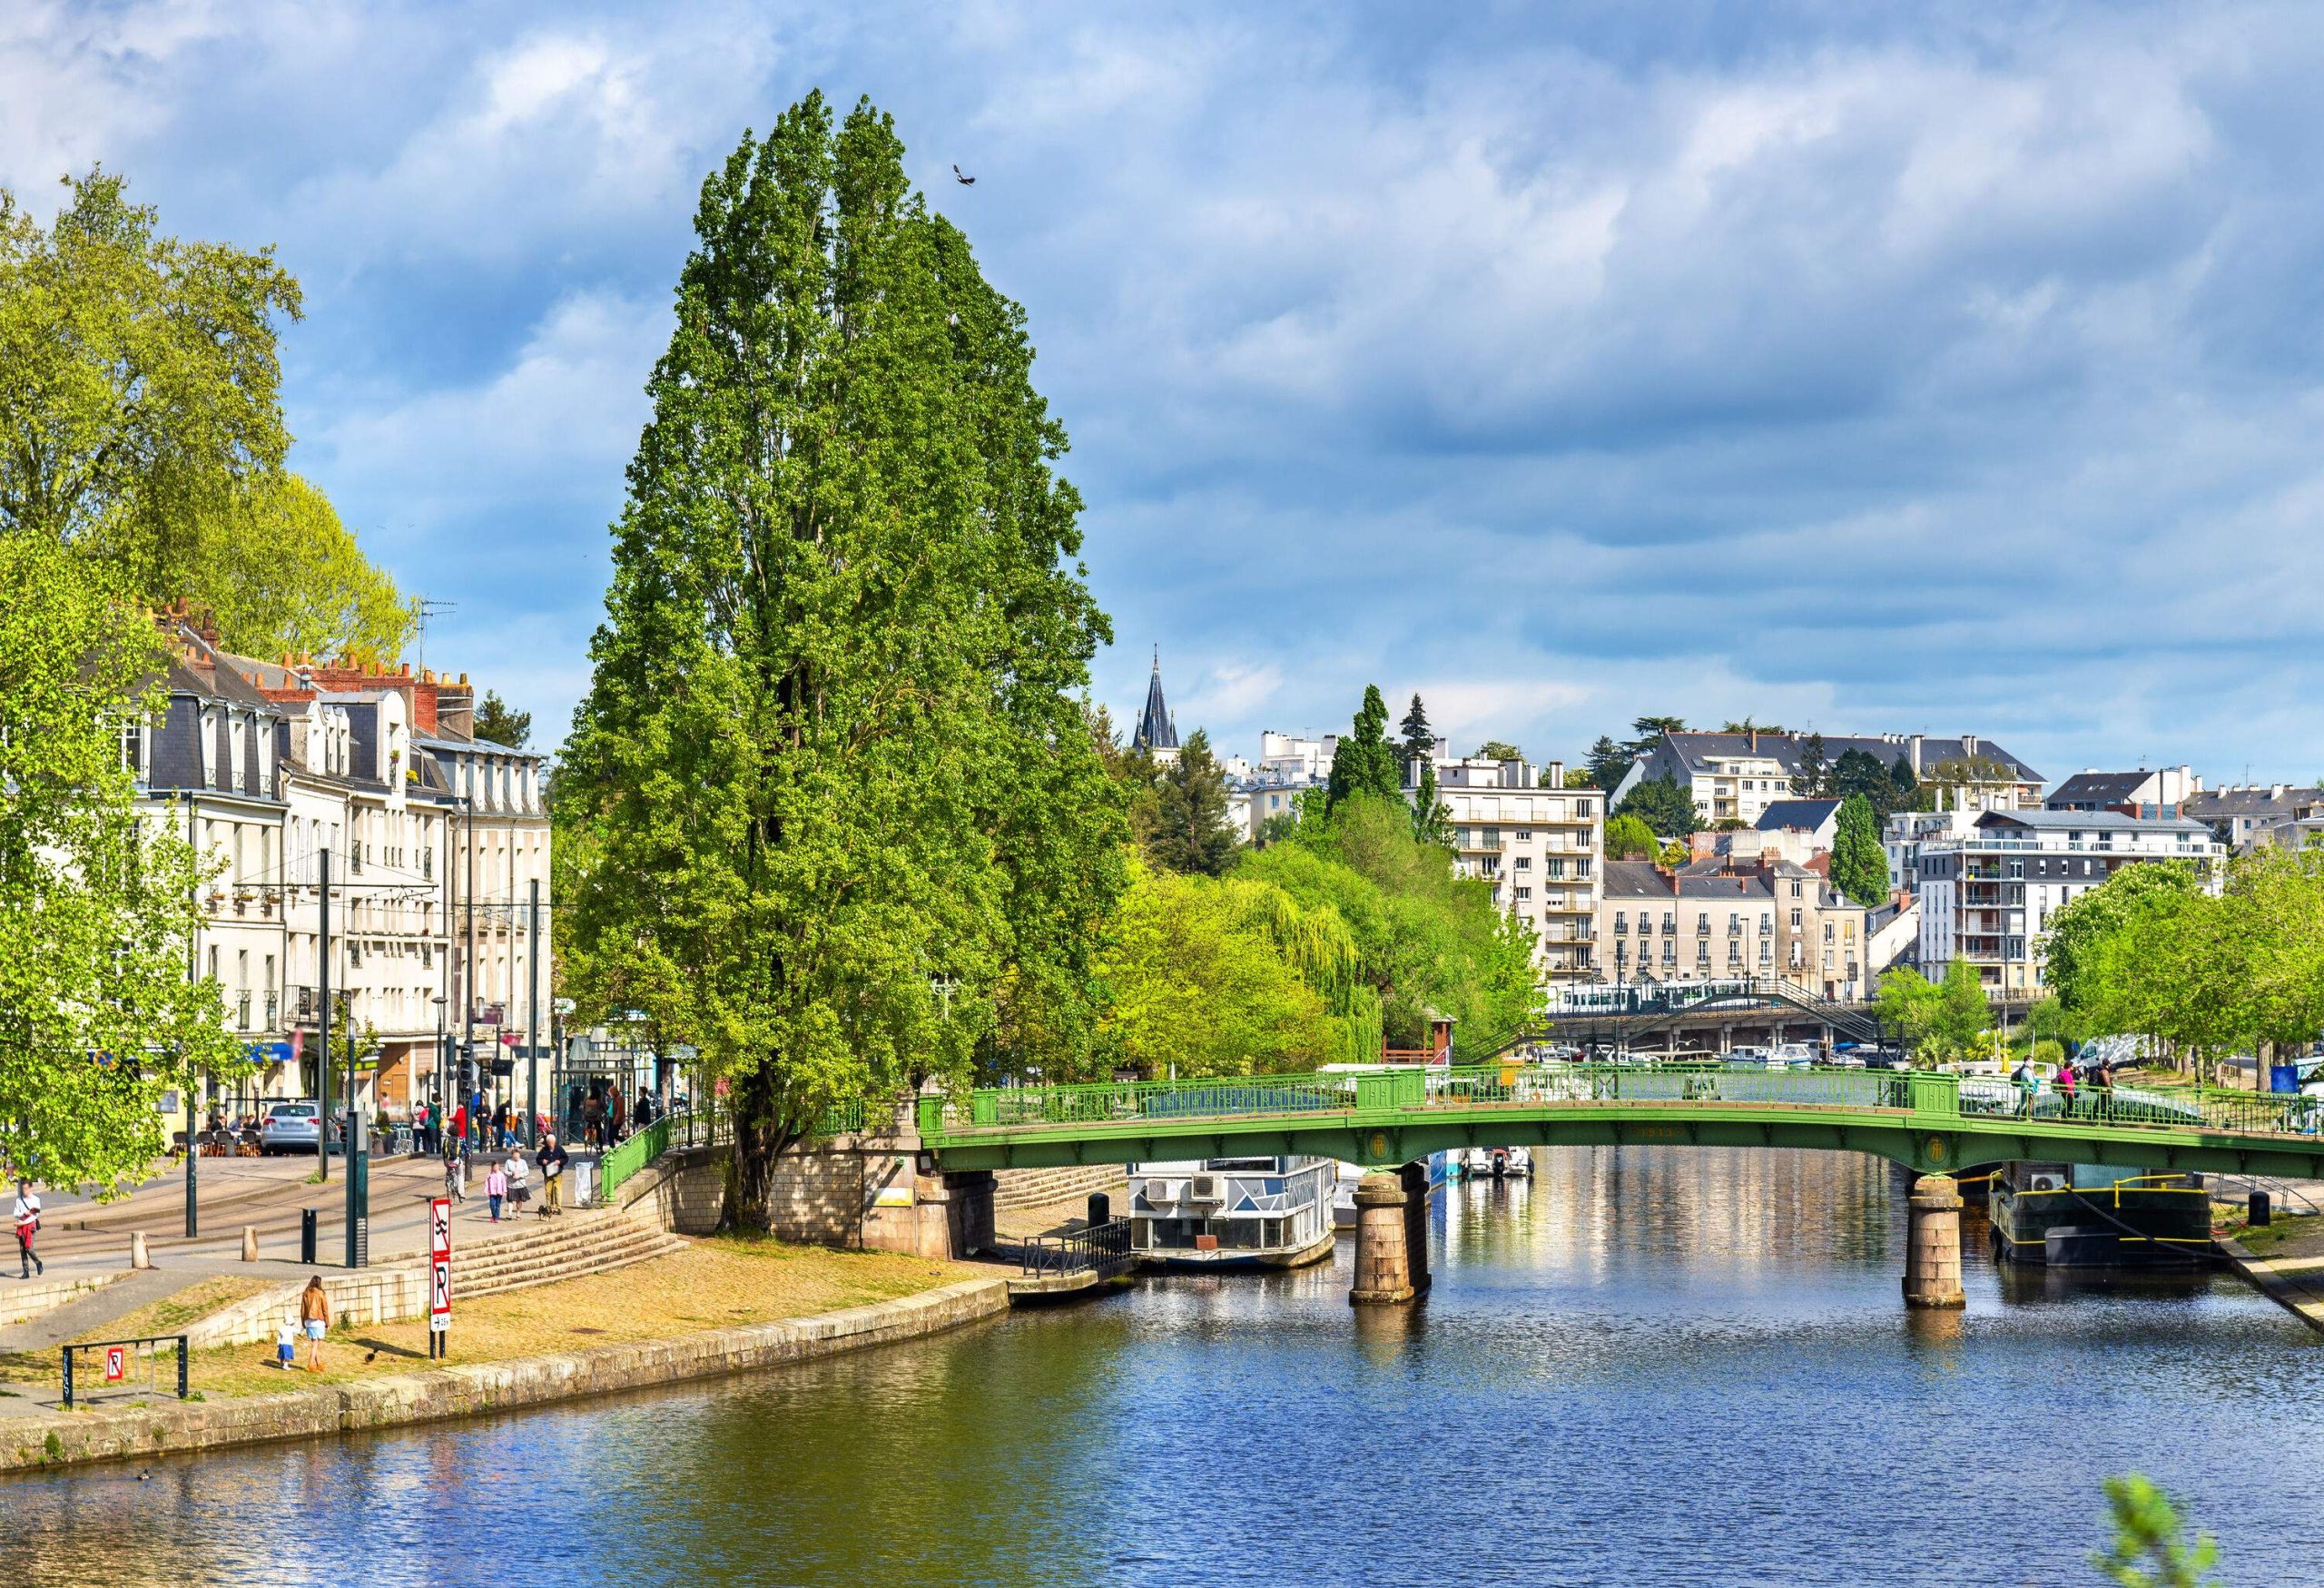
(286, 1347)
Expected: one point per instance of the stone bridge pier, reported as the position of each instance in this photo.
(1933, 1244)
(1391, 1236)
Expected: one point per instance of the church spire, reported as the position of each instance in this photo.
(1156, 730)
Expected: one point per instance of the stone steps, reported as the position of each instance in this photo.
(558, 1250)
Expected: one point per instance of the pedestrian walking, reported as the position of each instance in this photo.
(2022, 1078)
(495, 1188)
(552, 1179)
(286, 1345)
(593, 1119)
(314, 1314)
(520, 1189)
(25, 1215)
(2064, 1084)
(617, 1116)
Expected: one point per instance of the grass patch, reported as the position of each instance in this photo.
(722, 1282)
(2272, 1239)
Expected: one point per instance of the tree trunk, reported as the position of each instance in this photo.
(760, 1137)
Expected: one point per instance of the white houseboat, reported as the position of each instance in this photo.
(1232, 1212)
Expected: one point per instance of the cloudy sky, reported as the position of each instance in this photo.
(1922, 367)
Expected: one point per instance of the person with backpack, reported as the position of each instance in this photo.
(27, 1217)
(2064, 1084)
(2022, 1078)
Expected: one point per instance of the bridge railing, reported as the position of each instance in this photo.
(1415, 1087)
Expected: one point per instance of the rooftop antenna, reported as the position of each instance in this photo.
(424, 607)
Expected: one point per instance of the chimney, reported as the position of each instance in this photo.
(1968, 744)
(1914, 750)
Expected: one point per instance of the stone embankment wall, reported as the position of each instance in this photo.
(140, 1433)
(370, 1296)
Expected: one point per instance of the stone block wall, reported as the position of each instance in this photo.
(372, 1296)
(1037, 1187)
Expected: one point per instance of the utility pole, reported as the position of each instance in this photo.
(322, 1021)
(468, 962)
(533, 1012)
(358, 1168)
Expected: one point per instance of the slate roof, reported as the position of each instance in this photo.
(2100, 788)
(1806, 815)
(1697, 750)
(2249, 801)
(1156, 728)
(2092, 822)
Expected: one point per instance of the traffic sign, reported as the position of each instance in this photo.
(116, 1363)
(439, 1227)
(439, 1295)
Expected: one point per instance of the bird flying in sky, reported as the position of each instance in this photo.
(963, 180)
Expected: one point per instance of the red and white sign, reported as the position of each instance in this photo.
(116, 1363)
(439, 1264)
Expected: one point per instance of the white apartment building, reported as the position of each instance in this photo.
(207, 769)
(500, 863)
(1985, 896)
(1736, 776)
(1715, 920)
(1541, 844)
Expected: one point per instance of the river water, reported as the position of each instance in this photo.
(1654, 1366)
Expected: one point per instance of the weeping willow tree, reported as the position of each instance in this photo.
(1315, 942)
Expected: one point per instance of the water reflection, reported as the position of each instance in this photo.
(1669, 1365)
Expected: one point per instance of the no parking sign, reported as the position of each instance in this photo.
(116, 1363)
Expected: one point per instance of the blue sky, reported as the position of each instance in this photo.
(1927, 366)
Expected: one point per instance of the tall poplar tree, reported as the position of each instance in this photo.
(1364, 762)
(1859, 862)
(1190, 830)
(845, 818)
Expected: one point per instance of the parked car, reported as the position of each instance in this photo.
(290, 1127)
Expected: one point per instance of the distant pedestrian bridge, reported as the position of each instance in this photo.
(1935, 1123)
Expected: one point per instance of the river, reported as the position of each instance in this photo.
(1656, 1365)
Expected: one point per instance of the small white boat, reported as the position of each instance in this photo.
(1234, 1212)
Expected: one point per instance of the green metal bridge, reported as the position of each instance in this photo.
(1935, 1123)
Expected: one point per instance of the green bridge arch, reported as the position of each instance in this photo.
(1930, 1122)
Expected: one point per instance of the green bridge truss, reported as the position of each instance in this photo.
(1933, 1123)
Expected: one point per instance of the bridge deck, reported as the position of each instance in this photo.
(1930, 1121)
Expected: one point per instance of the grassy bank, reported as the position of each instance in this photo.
(719, 1283)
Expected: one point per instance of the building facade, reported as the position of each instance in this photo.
(2161, 792)
(1541, 845)
(1986, 896)
(1734, 777)
(2240, 815)
(207, 769)
(1718, 920)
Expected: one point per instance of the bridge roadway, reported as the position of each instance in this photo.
(1935, 1123)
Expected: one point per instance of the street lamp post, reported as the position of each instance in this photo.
(443, 1067)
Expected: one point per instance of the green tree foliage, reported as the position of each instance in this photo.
(500, 724)
(1675, 853)
(139, 396)
(1813, 777)
(281, 573)
(832, 750)
(1364, 762)
(1135, 776)
(1608, 764)
(1420, 739)
(1664, 806)
(1499, 750)
(2147, 1551)
(1190, 830)
(1858, 774)
(2243, 970)
(1197, 984)
(1907, 1005)
(1859, 864)
(1935, 1021)
(1962, 1012)
(1579, 778)
(1431, 817)
(1949, 780)
(97, 1015)
(1425, 938)
(1627, 837)
(1747, 726)
(1905, 793)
